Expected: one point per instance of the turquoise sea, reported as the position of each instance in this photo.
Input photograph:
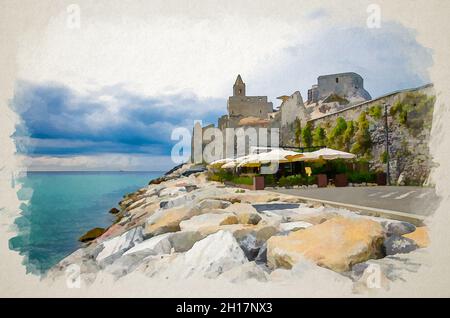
(62, 206)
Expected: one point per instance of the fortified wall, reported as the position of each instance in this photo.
(409, 119)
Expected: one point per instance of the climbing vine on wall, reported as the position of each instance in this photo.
(336, 136)
(414, 111)
(363, 140)
(319, 137)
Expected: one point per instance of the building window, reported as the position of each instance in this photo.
(240, 91)
(337, 79)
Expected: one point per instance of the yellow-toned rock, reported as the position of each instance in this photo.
(336, 244)
(261, 232)
(245, 213)
(165, 221)
(419, 236)
(209, 219)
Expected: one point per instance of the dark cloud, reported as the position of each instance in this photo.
(58, 120)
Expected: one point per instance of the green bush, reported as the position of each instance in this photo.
(414, 111)
(375, 111)
(269, 180)
(317, 167)
(242, 180)
(319, 137)
(307, 135)
(360, 177)
(363, 140)
(339, 166)
(221, 176)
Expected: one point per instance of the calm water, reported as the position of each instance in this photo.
(62, 206)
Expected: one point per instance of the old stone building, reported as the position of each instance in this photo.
(345, 87)
(240, 106)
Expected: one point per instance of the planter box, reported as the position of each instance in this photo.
(322, 180)
(258, 183)
(341, 180)
(380, 178)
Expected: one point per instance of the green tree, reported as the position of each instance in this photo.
(307, 135)
(319, 136)
(336, 138)
(375, 111)
(348, 134)
(363, 141)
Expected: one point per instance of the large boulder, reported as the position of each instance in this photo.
(158, 245)
(294, 212)
(245, 213)
(92, 234)
(395, 244)
(210, 257)
(336, 244)
(178, 201)
(419, 236)
(164, 221)
(210, 204)
(154, 246)
(210, 219)
(115, 247)
(294, 226)
(398, 228)
(184, 240)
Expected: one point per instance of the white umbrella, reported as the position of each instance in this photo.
(275, 155)
(219, 163)
(327, 154)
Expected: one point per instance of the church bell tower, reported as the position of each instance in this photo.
(239, 87)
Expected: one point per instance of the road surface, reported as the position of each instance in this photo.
(416, 200)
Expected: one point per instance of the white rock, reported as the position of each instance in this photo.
(183, 241)
(154, 246)
(177, 201)
(210, 257)
(172, 192)
(294, 226)
(210, 219)
(209, 204)
(115, 247)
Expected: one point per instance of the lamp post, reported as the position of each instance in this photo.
(386, 130)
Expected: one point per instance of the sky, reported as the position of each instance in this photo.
(107, 95)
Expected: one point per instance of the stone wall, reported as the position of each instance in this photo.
(249, 106)
(410, 160)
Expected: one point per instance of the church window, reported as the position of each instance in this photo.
(337, 79)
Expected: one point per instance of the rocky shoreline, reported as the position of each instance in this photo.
(184, 226)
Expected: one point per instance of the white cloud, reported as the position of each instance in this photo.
(103, 162)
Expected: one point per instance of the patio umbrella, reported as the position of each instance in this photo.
(219, 163)
(327, 154)
(275, 155)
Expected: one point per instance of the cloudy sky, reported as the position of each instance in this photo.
(107, 95)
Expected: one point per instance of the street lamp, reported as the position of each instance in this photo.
(386, 130)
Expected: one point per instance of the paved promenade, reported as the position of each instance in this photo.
(416, 200)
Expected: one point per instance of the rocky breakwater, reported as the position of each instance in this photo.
(184, 226)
